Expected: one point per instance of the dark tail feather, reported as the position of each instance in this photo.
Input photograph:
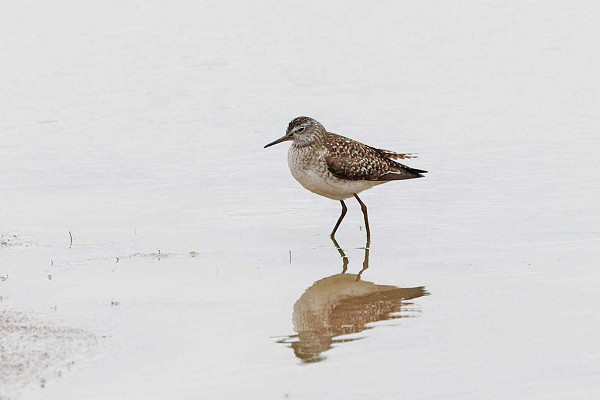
(403, 172)
(415, 171)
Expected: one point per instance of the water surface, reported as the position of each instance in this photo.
(140, 213)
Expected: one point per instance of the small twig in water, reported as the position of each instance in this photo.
(71, 236)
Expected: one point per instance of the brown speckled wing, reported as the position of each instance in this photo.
(349, 159)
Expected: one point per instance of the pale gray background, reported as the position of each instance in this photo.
(139, 126)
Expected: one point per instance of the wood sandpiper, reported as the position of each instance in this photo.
(337, 167)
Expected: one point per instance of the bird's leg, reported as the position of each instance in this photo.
(339, 221)
(365, 262)
(363, 207)
(342, 254)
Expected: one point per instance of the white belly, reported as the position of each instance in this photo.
(311, 171)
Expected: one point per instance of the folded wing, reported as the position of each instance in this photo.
(349, 159)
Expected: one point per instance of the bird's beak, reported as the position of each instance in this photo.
(281, 139)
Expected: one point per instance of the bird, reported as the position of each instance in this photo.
(338, 167)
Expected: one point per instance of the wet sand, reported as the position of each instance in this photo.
(33, 352)
(152, 243)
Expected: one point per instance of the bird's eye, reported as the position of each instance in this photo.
(301, 129)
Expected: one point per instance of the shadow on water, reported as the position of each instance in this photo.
(344, 304)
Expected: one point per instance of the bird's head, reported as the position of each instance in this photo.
(303, 131)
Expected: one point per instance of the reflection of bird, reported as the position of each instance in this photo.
(341, 304)
(336, 167)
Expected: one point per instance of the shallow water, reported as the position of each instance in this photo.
(143, 223)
